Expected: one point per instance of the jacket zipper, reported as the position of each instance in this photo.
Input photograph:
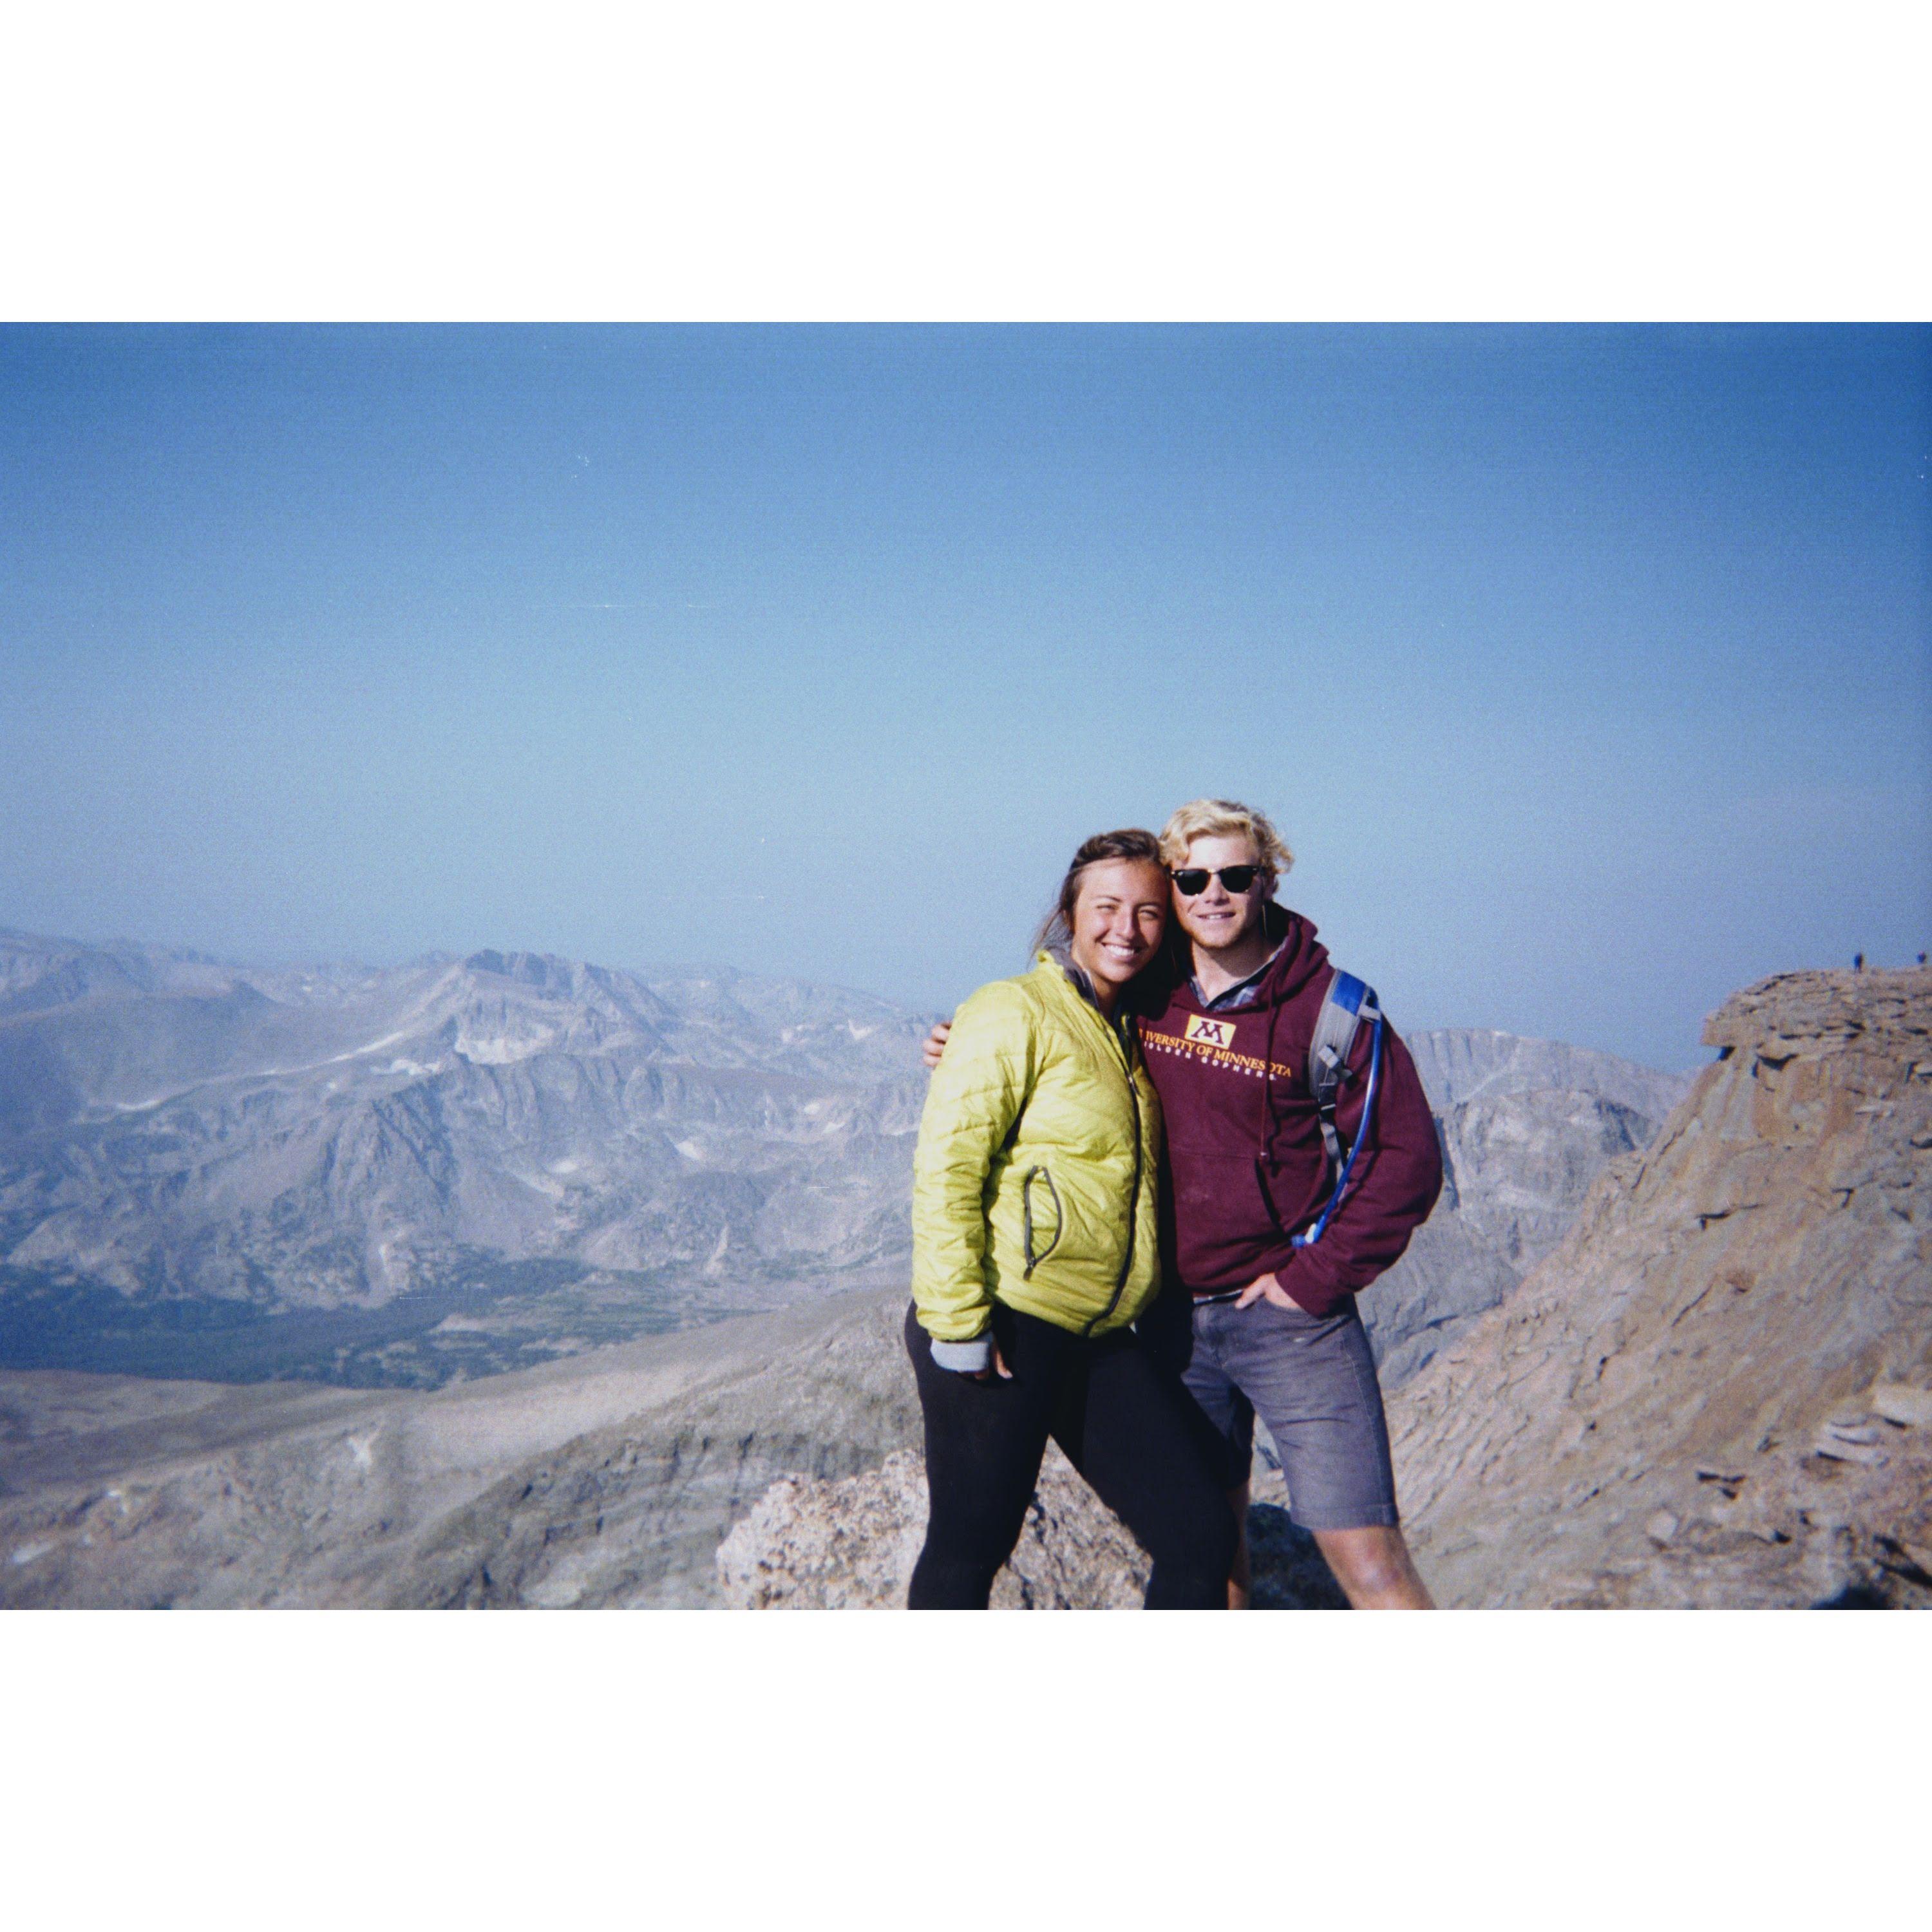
(1134, 1194)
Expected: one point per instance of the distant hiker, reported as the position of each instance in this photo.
(1921, 959)
(1035, 1246)
(1858, 962)
(1287, 1199)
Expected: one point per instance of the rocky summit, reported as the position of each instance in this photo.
(1717, 1389)
(809, 1543)
(1525, 1126)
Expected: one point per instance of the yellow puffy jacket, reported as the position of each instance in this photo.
(1035, 1179)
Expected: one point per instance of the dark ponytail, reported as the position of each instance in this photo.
(1056, 931)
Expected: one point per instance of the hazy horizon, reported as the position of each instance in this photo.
(1585, 669)
(668, 965)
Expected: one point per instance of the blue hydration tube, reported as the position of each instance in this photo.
(1315, 1233)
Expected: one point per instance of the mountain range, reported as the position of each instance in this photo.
(464, 1165)
(450, 1168)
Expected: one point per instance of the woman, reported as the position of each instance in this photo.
(1035, 1245)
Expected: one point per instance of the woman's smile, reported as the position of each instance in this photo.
(1118, 919)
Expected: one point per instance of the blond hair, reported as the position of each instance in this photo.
(1224, 817)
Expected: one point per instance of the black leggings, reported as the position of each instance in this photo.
(1122, 1428)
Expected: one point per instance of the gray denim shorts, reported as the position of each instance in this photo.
(1313, 1383)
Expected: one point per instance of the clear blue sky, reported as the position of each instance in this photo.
(1587, 670)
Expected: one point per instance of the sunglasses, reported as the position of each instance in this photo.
(1191, 880)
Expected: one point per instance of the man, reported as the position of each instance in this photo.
(1260, 1314)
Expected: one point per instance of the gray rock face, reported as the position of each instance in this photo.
(812, 1545)
(809, 1544)
(1526, 1126)
(1717, 1389)
(604, 1481)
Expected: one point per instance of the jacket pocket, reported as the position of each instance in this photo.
(1039, 1184)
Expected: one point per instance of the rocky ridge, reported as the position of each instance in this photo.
(1717, 1390)
(609, 1482)
(810, 1543)
(1525, 1126)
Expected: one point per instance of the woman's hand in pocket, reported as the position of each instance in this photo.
(1266, 1289)
(1006, 1374)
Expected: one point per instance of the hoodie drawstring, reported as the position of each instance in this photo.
(1270, 991)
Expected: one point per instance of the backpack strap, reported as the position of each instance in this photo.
(1348, 1002)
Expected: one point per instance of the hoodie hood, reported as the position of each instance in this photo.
(1299, 957)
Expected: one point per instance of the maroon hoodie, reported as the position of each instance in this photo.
(1244, 1150)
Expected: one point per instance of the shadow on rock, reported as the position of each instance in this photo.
(1290, 1572)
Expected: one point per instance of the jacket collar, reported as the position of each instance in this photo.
(1077, 978)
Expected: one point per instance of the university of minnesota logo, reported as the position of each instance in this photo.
(1210, 1033)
